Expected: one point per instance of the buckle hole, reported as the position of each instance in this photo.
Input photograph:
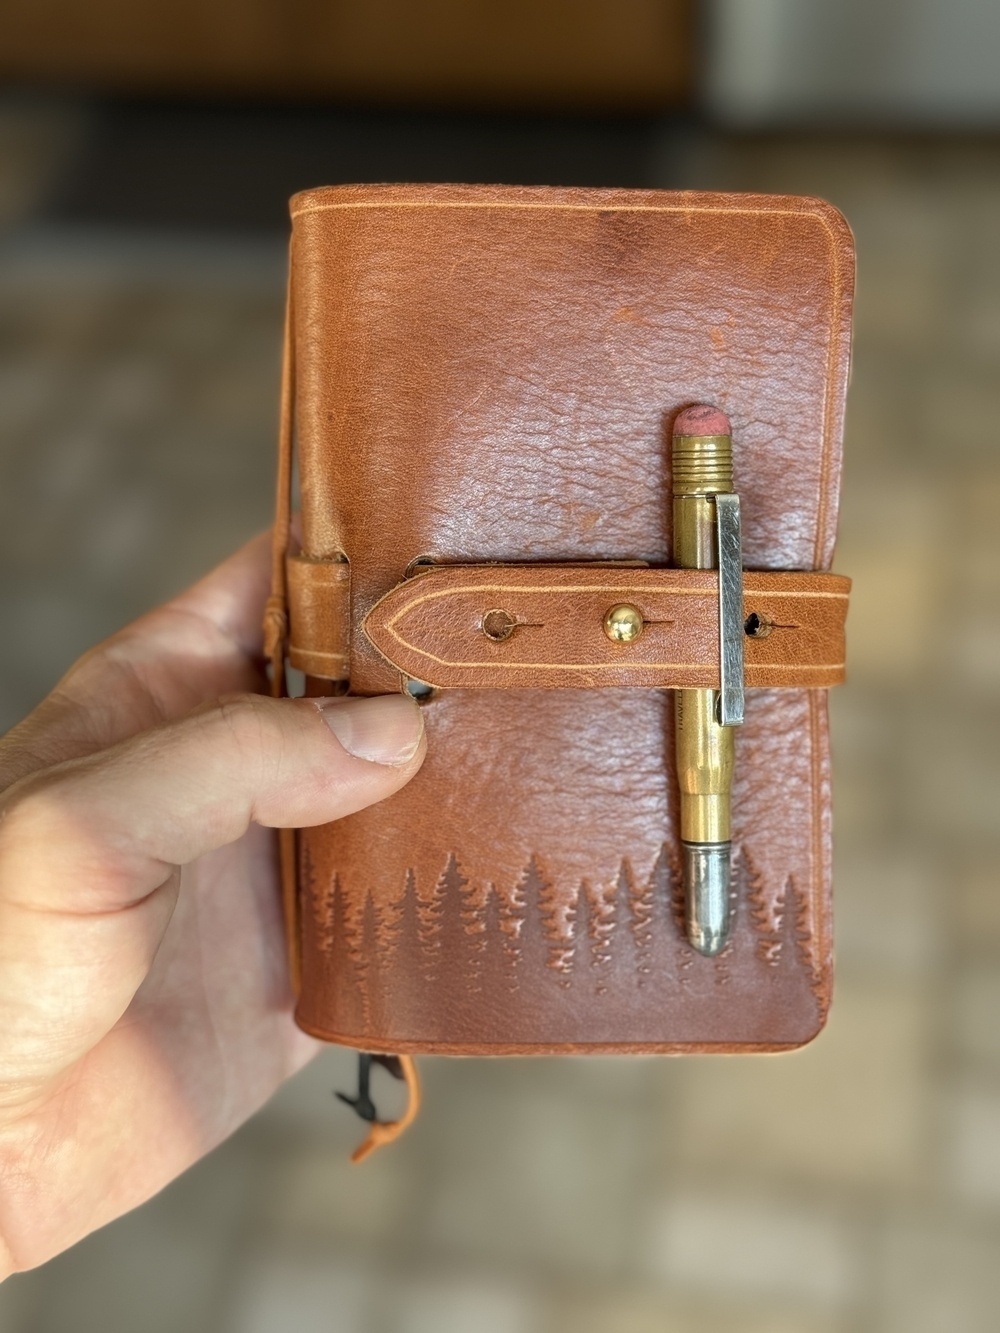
(757, 626)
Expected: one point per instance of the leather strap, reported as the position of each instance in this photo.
(435, 627)
(319, 606)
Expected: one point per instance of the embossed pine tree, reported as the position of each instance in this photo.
(511, 915)
(319, 899)
(494, 976)
(401, 960)
(671, 957)
(360, 958)
(637, 901)
(555, 921)
(456, 963)
(793, 928)
(408, 951)
(532, 967)
(797, 969)
(429, 930)
(605, 927)
(754, 889)
(344, 955)
(476, 942)
(737, 957)
(585, 937)
(368, 962)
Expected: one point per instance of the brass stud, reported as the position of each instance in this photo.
(623, 624)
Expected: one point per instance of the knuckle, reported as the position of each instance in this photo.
(245, 715)
(33, 812)
(251, 724)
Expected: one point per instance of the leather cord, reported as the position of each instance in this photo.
(276, 608)
(384, 1131)
(276, 620)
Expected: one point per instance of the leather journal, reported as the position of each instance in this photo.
(481, 386)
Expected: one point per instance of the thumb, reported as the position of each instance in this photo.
(90, 849)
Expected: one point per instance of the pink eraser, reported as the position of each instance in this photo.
(702, 419)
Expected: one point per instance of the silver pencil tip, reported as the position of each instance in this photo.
(707, 875)
(707, 942)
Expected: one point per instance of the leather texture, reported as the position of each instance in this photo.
(434, 627)
(490, 375)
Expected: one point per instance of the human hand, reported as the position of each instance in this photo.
(145, 1009)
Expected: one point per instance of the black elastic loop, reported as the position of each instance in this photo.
(362, 1103)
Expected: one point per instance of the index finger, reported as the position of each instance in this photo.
(204, 643)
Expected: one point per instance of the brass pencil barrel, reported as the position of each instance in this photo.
(702, 468)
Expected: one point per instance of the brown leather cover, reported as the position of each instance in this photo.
(490, 375)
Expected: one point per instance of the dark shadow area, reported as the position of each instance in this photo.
(227, 166)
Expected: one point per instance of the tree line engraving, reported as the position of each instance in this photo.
(463, 962)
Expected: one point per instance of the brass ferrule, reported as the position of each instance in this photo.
(702, 465)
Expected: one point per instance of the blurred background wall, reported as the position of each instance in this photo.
(899, 63)
(636, 53)
(146, 154)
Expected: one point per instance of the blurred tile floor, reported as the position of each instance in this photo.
(852, 1187)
